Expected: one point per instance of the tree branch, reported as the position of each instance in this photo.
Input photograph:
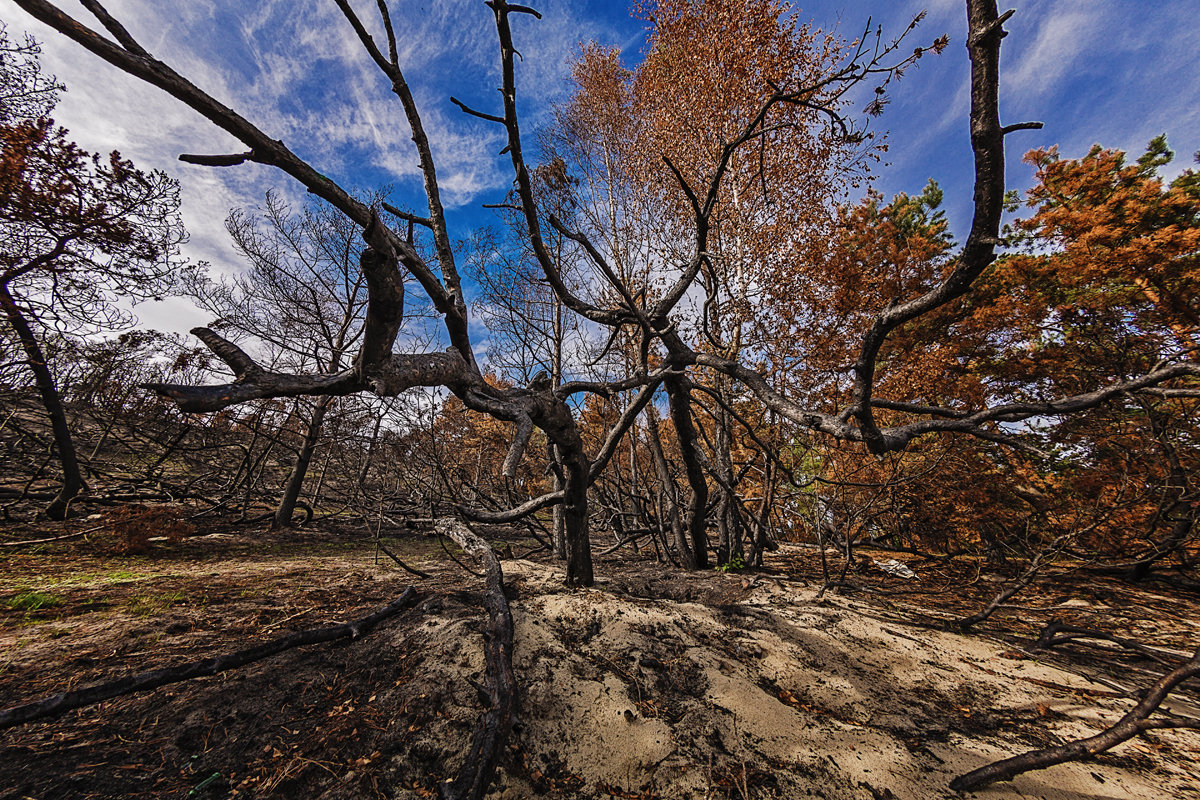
(1129, 726)
(479, 768)
(513, 514)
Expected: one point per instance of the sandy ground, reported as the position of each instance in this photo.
(773, 694)
(653, 684)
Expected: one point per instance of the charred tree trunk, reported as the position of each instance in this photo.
(72, 483)
(762, 538)
(575, 519)
(729, 518)
(559, 525)
(681, 414)
(554, 416)
(369, 457)
(295, 482)
(670, 492)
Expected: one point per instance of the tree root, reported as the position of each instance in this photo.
(495, 724)
(61, 703)
(1135, 722)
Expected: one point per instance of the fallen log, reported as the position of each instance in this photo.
(61, 703)
(479, 768)
(1135, 722)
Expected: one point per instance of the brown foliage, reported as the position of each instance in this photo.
(133, 526)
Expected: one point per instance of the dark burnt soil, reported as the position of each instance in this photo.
(391, 714)
(273, 728)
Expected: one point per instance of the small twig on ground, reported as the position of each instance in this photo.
(1058, 632)
(74, 535)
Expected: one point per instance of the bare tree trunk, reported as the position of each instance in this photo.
(316, 496)
(634, 504)
(555, 418)
(370, 455)
(669, 496)
(560, 524)
(729, 515)
(559, 530)
(681, 414)
(291, 492)
(72, 483)
(575, 520)
(762, 540)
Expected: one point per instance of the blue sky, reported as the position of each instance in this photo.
(1117, 72)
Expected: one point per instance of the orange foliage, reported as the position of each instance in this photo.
(133, 526)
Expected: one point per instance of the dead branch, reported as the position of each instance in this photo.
(74, 535)
(61, 703)
(516, 513)
(1058, 632)
(1049, 552)
(1135, 722)
(490, 737)
(400, 563)
(628, 538)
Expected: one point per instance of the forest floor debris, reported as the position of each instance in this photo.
(653, 684)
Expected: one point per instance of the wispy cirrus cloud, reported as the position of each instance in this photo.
(1108, 71)
(1062, 39)
(1094, 71)
(298, 71)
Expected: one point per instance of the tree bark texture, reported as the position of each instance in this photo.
(479, 768)
(1129, 726)
(295, 482)
(73, 482)
(681, 414)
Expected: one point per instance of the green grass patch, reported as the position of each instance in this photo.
(121, 576)
(31, 600)
(151, 605)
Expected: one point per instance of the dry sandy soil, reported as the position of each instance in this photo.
(653, 684)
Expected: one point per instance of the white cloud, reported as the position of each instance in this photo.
(1065, 35)
(298, 72)
(296, 69)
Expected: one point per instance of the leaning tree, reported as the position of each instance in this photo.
(77, 231)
